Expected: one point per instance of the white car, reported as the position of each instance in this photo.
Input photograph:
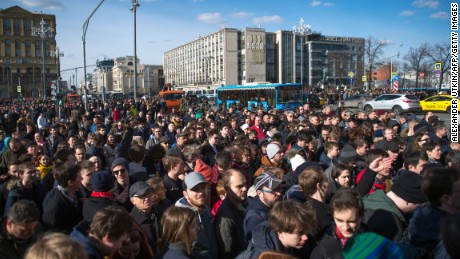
(398, 103)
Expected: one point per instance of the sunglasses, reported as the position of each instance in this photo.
(121, 171)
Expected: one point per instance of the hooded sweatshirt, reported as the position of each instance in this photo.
(383, 217)
(206, 245)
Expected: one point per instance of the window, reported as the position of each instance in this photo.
(6, 24)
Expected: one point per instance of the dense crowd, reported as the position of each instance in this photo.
(131, 179)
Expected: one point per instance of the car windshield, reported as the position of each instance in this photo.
(411, 97)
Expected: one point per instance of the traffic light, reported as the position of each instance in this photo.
(59, 99)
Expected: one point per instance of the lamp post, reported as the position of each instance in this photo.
(148, 81)
(43, 31)
(58, 79)
(301, 30)
(134, 8)
(85, 28)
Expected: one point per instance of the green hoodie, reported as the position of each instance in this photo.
(379, 200)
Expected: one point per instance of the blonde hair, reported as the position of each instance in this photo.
(56, 246)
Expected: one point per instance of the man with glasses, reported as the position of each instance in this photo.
(154, 137)
(269, 189)
(141, 195)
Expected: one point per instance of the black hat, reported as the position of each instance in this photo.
(392, 146)
(263, 141)
(30, 143)
(102, 181)
(408, 186)
(139, 188)
(351, 119)
(348, 154)
(164, 139)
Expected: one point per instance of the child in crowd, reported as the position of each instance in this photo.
(44, 165)
(221, 192)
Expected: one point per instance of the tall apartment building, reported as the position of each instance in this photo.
(230, 56)
(21, 53)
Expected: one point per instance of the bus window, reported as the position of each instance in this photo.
(171, 97)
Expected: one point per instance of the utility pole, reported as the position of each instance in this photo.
(43, 31)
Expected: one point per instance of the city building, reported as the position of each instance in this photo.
(27, 49)
(118, 76)
(230, 56)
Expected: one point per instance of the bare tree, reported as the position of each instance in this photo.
(373, 50)
(415, 58)
(440, 52)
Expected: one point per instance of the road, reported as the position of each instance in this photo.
(443, 116)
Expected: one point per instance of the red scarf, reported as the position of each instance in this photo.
(102, 194)
(342, 239)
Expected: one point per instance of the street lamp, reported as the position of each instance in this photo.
(43, 31)
(85, 28)
(301, 30)
(134, 8)
(58, 56)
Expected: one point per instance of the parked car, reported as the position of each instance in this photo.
(356, 100)
(398, 103)
(440, 102)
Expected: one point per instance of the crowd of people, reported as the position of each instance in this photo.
(130, 179)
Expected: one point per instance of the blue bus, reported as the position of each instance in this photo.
(253, 96)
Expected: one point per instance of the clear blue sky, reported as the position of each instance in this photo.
(165, 24)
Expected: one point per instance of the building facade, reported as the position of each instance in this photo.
(118, 76)
(24, 44)
(230, 56)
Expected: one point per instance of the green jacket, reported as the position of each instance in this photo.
(383, 217)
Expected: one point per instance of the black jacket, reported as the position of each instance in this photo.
(256, 213)
(93, 205)
(149, 224)
(60, 214)
(11, 248)
(229, 229)
(208, 154)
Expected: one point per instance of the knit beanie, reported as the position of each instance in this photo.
(408, 187)
(272, 149)
(348, 154)
(102, 181)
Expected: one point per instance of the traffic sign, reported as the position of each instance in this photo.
(437, 66)
(438, 73)
(351, 74)
(395, 77)
(364, 78)
(388, 82)
(19, 88)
